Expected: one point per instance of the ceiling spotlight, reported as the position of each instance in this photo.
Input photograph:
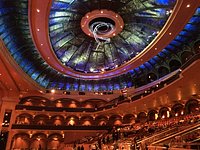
(91, 69)
(53, 91)
(38, 10)
(188, 5)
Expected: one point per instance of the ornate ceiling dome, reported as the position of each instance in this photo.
(97, 45)
(98, 36)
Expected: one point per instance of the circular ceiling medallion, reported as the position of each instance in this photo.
(102, 23)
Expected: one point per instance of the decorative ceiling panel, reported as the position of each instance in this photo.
(142, 22)
(142, 19)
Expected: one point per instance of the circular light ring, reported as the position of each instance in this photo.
(103, 13)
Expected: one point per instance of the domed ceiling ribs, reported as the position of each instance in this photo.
(63, 54)
(75, 53)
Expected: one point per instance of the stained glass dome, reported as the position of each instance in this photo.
(141, 23)
(118, 53)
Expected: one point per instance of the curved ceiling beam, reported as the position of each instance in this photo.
(39, 24)
(13, 80)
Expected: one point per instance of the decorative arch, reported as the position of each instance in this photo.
(57, 120)
(192, 106)
(129, 119)
(162, 71)
(24, 118)
(87, 120)
(72, 120)
(41, 119)
(101, 120)
(58, 103)
(115, 120)
(196, 46)
(20, 141)
(151, 77)
(142, 117)
(174, 64)
(35, 101)
(54, 141)
(38, 141)
(152, 115)
(164, 112)
(87, 105)
(177, 109)
(185, 56)
(73, 104)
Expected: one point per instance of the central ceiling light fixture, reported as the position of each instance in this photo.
(102, 24)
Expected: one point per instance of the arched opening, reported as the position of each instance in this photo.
(129, 119)
(177, 110)
(54, 141)
(197, 46)
(57, 120)
(41, 119)
(73, 104)
(28, 103)
(72, 120)
(164, 113)
(115, 120)
(101, 120)
(192, 106)
(59, 104)
(152, 115)
(88, 105)
(185, 56)
(38, 141)
(151, 77)
(86, 120)
(174, 65)
(20, 141)
(162, 71)
(141, 117)
(24, 119)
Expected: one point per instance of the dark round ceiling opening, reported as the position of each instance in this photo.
(102, 24)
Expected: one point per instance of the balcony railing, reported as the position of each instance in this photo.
(53, 127)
